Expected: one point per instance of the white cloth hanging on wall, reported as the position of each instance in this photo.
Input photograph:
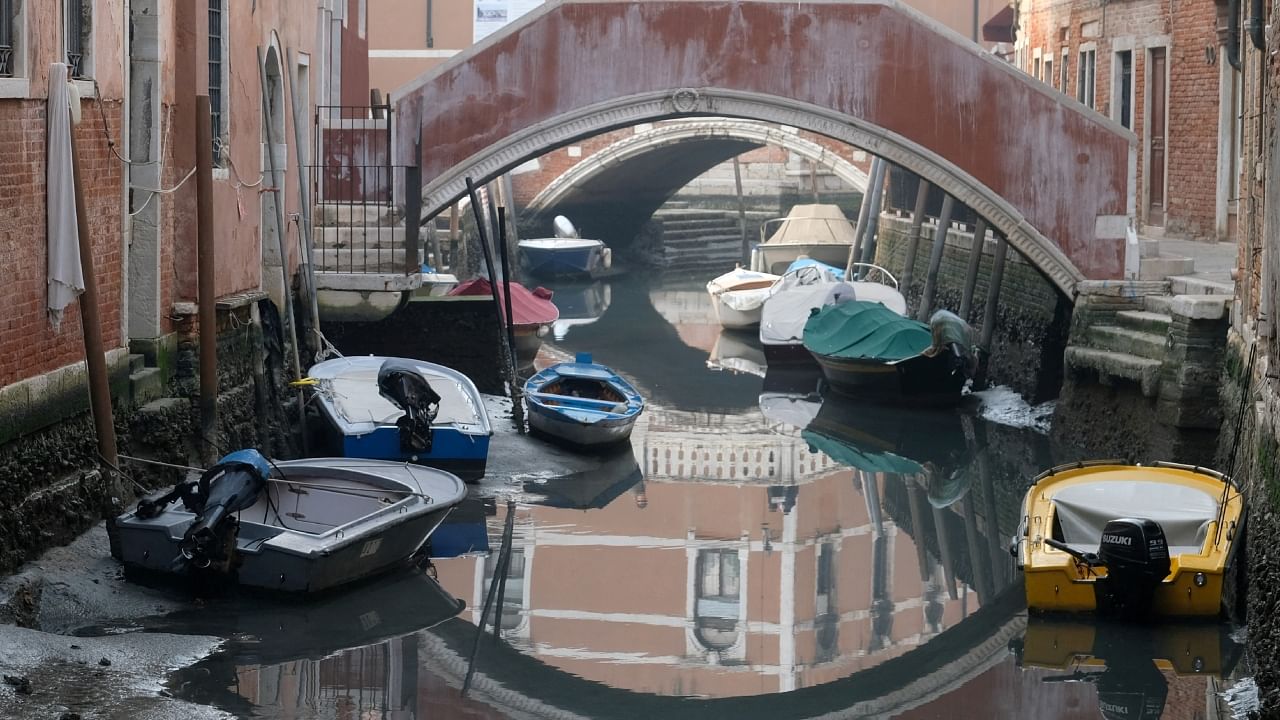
(66, 280)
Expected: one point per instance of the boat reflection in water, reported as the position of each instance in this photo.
(1137, 672)
(342, 653)
(737, 352)
(579, 304)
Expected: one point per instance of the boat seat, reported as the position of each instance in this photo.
(580, 402)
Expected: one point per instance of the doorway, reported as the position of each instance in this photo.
(1157, 128)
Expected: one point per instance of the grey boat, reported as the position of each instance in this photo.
(296, 526)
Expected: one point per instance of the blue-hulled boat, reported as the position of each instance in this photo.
(564, 257)
(403, 409)
(582, 403)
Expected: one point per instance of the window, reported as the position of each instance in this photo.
(1122, 89)
(1063, 70)
(1035, 69)
(8, 28)
(718, 601)
(1049, 77)
(217, 73)
(1084, 77)
(78, 37)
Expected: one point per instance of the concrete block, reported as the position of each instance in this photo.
(1148, 248)
(1157, 268)
(1162, 304)
(146, 385)
(1200, 307)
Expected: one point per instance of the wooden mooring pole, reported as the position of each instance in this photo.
(508, 353)
(975, 261)
(742, 212)
(861, 228)
(873, 216)
(989, 312)
(913, 239)
(208, 330)
(935, 259)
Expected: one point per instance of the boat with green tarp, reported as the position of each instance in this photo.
(866, 350)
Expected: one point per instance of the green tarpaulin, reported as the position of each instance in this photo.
(857, 458)
(865, 330)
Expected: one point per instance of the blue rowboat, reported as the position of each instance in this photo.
(403, 409)
(564, 257)
(582, 403)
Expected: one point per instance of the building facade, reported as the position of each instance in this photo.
(1165, 71)
(136, 69)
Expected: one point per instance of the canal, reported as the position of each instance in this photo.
(760, 550)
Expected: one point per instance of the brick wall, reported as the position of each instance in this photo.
(29, 345)
(1190, 29)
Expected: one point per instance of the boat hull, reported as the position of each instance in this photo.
(788, 354)
(463, 454)
(920, 380)
(562, 262)
(575, 432)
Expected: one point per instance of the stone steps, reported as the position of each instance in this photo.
(357, 215)
(702, 241)
(356, 260)
(146, 385)
(667, 216)
(1145, 321)
(1159, 304)
(1109, 364)
(1129, 341)
(359, 237)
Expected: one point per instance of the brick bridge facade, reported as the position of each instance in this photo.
(1051, 175)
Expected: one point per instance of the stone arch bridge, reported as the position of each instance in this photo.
(1052, 176)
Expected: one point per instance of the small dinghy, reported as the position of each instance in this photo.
(738, 296)
(403, 409)
(820, 231)
(297, 526)
(582, 403)
(1129, 541)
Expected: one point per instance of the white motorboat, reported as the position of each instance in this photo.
(295, 526)
(738, 296)
(808, 285)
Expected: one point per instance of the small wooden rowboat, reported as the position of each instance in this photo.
(1128, 540)
(295, 526)
(582, 403)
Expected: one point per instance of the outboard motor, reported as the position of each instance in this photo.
(1136, 555)
(401, 383)
(229, 486)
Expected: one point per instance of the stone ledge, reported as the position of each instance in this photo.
(1201, 307)
(1122, 288)
(51, 397)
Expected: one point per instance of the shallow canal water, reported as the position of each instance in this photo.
(759, 551)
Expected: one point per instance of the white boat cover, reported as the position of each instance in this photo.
(353, 391)
(883, 294)
(814, 224)
(1183, 512)
(560, 243)
(786, 311)
(745, 300)
(738, 278)
(731, 353)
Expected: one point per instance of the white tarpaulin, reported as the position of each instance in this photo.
(807, 224)
(1183, 512)
(66, 280)
(785, 313)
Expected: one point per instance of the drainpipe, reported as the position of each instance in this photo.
(1256, 24)
(126, 220)
(1233, 33)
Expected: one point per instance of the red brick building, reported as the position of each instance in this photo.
(1162, 69)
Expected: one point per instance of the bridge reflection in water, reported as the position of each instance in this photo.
(784, 555)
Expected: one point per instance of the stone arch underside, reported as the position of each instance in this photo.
(631, 178)
(1054, 177)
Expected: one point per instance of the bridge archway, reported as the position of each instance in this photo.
(1053, 176)
(678, 140)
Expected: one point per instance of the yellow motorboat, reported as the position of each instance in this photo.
(1131, 541)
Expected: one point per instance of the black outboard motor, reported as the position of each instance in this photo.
(401, 383)
(231, 485)
(1136, 555)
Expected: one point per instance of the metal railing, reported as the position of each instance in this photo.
(6, 38)
(363, 221)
